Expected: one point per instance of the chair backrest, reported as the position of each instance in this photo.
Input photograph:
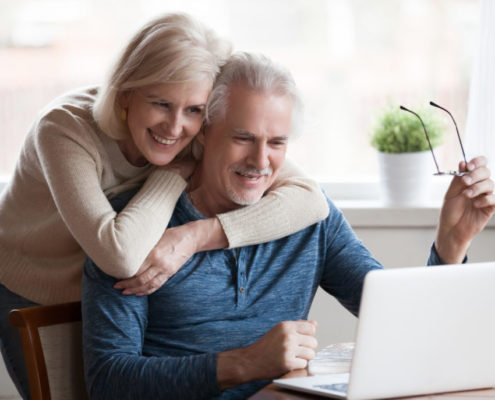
(52, 343)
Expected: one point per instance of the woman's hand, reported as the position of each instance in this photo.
(174, 248)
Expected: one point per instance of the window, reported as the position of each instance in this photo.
(481, 121)
(349, 58)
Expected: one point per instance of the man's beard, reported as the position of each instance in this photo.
(245, 200)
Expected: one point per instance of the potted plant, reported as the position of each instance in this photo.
(404, 155)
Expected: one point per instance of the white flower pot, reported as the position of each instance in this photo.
(405, 177)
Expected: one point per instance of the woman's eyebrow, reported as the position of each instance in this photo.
(153, 97)
(158, 98)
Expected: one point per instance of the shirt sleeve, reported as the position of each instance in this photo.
(72, 168)
(434, 258)
(114, 364)
(294, 202)
(347, 261)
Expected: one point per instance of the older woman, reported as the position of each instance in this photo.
(92, 144)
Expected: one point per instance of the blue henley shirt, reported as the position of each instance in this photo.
(165, 345)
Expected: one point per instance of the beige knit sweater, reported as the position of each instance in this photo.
(55, 209)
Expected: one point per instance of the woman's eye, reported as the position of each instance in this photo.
(162, 104)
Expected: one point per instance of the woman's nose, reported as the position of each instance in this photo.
(174, 125)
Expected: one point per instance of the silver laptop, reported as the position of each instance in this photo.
(421, 330)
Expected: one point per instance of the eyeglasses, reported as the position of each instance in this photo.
(456, 173)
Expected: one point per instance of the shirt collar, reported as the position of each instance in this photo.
(187, 210)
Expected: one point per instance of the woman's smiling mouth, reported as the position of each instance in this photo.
(160, 139)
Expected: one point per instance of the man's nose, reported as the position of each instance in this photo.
(260, 157)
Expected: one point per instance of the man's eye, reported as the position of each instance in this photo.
(196, 110)
(242, 138)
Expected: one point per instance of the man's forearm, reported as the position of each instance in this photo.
(450, 250)
(115, 367)
(229, 369)
(286, 346)
(234, 368)
(139, 377)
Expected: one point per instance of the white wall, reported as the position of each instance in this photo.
(7, 388)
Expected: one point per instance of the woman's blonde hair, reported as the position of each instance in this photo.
(171, 49)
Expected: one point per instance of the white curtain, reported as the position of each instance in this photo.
(480, 126)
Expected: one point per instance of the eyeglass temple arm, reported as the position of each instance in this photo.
(456, 129)
(426, 134)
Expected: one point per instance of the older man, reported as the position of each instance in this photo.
(230, 320)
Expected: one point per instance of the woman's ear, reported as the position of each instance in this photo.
(124, 98)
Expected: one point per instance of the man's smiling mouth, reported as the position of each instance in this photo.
(249, 176)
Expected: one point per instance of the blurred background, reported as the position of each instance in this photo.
(349, 58)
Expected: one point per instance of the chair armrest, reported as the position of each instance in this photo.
(46, 315)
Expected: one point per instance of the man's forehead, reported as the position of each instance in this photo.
(239, 91)
(249, 109)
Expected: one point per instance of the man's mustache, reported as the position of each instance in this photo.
(244, 170)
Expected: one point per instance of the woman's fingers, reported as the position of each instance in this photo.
(139, 280)
(148, 286)
(151, 286)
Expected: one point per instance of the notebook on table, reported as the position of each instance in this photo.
(421, 330)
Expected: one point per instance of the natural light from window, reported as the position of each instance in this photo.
(349, 58)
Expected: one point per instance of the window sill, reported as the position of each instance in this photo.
(360, 202)
(375, 214)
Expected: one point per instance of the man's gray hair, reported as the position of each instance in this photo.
(260, 74)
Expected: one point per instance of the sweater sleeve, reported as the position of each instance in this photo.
(72, 168)
(114, 364)
(294, 202)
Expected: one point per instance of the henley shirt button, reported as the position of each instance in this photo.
(242, 290)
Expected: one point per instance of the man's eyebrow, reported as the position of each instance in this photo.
(250, 134)
(281, 138)
(243, 132)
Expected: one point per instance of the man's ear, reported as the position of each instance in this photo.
(200, 137)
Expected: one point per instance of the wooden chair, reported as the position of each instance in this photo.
(52, 343)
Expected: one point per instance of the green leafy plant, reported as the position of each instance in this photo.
(398, 131)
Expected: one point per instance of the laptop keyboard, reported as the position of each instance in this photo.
(335, 387)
